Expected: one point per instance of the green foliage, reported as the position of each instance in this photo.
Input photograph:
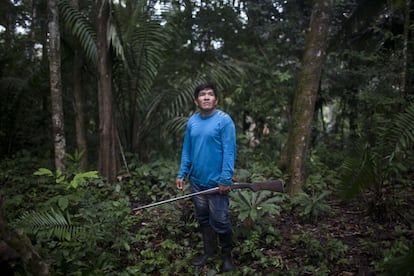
(16, 175)
(51, 224)
(151, 181)
(335, 250)
(313, 249)
(321, 176)
(401, 265)
(81, 178)
(318, 253)
(223, 72)
(92, 230)
(251, 207)
(393, 257)
(380, 166)
(163, 259)
(93, 235)
(400, 135)
(251, 249)
(251, 170)
(154, 75)
(312, 207)
(396, 256)
(80, 26)
(78, 179)
(358, 172)
(164, 242)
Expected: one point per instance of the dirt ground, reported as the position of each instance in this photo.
(349, 222)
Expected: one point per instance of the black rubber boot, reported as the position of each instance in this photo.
(226, 248)
(210, 246)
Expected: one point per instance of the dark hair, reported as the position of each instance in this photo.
(203, 87)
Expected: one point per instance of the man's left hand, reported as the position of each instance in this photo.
(224, 189)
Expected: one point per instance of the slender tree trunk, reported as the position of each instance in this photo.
(78, 101)
(405, 66)
(109, 162)
(55, 85)
(306, 93)
(31, 48)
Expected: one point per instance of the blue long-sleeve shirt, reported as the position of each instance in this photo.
(209, 150)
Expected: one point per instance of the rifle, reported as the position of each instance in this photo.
(272, 185)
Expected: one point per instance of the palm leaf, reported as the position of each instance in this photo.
(145, 44)
(224, 73)
(51, 223)
(369, 166)
(402, 133)
(176, 125)
(80, 27)
(357, 172)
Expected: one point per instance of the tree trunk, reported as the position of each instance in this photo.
(306, 93)
(55, 85)
(78, 98)
(109, 162)
(405, 67)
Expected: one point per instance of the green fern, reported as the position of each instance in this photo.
(402, 134)
(402, 265)
(52, 224)
(358, 172)
(372, 165)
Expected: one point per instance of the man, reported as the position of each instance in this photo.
(207, 159)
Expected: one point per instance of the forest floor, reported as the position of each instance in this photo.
(349, 240)
(365, 239)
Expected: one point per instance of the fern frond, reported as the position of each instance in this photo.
(357, 172)
(176, 125)
(370, 165)
(402, 133)
(51, 223)
(222, 72)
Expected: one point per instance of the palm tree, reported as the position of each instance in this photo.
(139, 45)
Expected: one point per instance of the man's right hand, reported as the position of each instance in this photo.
(180, 183)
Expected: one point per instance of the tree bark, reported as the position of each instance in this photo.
(306, 93)
(55, 85)
(404, 71)
(109, 162)
(78, 98)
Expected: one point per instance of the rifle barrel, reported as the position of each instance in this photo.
(273, 185)
(208, 191)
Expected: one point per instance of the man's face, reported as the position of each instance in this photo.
(206, 101)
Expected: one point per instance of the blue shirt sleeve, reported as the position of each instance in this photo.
(228, 136)
(185, 155)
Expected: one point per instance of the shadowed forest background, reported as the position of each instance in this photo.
(95, 100)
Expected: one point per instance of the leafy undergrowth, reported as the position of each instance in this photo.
(345, 241)
(314, 234)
